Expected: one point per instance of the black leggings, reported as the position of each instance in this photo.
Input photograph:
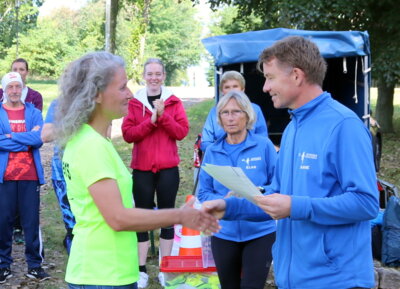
(243, 265)
(165, 183)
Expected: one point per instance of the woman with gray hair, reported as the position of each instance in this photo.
(242, 249)
(93, 92)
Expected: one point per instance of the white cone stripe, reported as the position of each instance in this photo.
(191, 242)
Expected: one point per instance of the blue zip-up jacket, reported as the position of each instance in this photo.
(326, 165)
(56, 163)
(257, 159)
(20, 141)
(213, 131)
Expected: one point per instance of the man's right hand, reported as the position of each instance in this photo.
(215, 207)
(276, 205)
(198, 219)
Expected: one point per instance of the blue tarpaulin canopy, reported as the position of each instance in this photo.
(246, 47)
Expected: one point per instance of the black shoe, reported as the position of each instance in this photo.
(5, 273)
(18, 236)
(38, 274)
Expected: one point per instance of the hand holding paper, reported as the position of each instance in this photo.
(235, 179)
(276, 205)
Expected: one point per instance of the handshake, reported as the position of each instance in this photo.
(277, 206)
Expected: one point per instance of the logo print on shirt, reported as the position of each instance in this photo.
(66, 172)
(249, 165)
(305, 156)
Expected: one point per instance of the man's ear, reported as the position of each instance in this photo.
(298, 76)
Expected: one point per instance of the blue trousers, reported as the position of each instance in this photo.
(22, 197)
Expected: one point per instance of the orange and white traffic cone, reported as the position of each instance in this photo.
(190, 240)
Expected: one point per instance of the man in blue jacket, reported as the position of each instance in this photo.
(324, 191)
(21, 174)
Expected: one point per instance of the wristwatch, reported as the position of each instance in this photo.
(261, 189)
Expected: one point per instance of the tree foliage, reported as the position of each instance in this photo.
(145, 28)
(227, 21)
(133, 25)
(174, 36)
(28, 12)
(379, 18)
(59, 38)
(159, 28)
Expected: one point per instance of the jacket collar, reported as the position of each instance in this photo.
(248, 142)
(141, 96)
(304, 112)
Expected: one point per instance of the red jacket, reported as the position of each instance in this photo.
(155, 146)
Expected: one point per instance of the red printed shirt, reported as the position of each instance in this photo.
(21, 166)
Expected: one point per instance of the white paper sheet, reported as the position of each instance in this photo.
(234, 179)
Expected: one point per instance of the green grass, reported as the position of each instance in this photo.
(48, 89)
(390, 169)
(197, 114)
(396, 107)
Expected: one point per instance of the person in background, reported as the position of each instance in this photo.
(104, 253)
(230, 80)
(240, 246)
(324, 191)
(57, 177)
(30, 95)
(21, 174)
(212, 130)
(156, 120)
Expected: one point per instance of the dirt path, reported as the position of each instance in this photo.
(52, 263)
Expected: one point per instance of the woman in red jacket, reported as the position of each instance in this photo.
(156, 120)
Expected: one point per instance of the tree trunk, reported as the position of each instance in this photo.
(141, 31)
(384, 106)
(112, 9)
(145, 23)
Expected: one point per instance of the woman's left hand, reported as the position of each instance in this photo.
(159, 106)
(154, 116)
